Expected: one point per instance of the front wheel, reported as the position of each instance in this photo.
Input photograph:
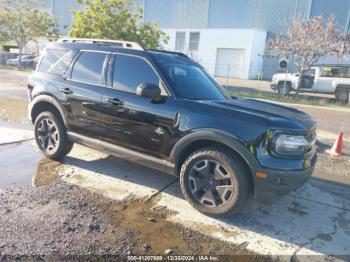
(283, 88)
(50, 136)
(215, 182)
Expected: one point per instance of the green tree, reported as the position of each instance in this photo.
(118, 20)
(22, 21)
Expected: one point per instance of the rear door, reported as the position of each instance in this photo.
(83, 91)
(307, 79)
(329, 74)
(133, 121)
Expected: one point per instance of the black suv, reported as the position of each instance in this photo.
(163, 110)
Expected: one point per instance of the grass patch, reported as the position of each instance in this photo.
(291, 98)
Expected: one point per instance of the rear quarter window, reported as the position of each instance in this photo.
(338, 72)
(56, 61)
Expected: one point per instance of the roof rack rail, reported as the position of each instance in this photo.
(119, 43)
(169, 52)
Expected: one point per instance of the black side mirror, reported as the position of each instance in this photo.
(148, 90)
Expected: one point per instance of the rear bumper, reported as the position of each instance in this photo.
(281, 182)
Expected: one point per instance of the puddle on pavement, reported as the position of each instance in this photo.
(46, 173)
(157, 234)
(18, 163)
(22, 164)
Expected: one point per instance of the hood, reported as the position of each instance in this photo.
(274, 115)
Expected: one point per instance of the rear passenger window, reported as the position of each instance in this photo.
(129, 72)
(51, 57)
(88, 68)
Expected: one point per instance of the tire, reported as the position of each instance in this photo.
(342, 94)
(283, 89)
(227, 198)
(50, 136)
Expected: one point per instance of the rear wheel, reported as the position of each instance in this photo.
(215, 182)
(342, 94)
(50, 136)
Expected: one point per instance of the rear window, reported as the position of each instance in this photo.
(334, 71)
(56, 61)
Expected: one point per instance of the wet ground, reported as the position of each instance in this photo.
(61, 221)
(313, 220)
(47, 220)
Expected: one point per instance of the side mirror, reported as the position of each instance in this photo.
(148, 90)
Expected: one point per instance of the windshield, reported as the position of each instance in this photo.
(190, 81)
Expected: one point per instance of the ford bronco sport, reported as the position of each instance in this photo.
(162, 109)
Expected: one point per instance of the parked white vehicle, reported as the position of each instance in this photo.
(325, 79)
(26, 61)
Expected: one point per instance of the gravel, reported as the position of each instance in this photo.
(59, 220)
(65, 222)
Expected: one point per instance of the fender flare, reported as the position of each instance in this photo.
(46, 99)
(219, 136)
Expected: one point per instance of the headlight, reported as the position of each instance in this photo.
(290, 145)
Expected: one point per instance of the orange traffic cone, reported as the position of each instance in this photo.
(337, 148)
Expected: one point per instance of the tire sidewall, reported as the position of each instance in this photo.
(223, 158)
(57, 153)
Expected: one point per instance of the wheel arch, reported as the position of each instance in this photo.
(200, 139)
(46, 103)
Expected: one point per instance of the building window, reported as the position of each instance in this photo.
(194, 41)
(180, 41)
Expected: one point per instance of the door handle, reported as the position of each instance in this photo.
(115, 101)
(66, 91)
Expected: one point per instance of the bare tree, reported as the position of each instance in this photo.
(21, 22)
(308, 41)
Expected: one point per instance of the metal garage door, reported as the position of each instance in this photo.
(229, 62)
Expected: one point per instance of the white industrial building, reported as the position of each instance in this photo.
(224, 52)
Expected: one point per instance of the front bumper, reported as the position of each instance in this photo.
(281, 182)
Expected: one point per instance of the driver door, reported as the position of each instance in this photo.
(307, 79)
(132, 121)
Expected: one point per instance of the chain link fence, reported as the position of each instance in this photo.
(247, 72)
(4, 56)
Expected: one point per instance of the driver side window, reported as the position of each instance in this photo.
(309, 73)
(129, 72)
